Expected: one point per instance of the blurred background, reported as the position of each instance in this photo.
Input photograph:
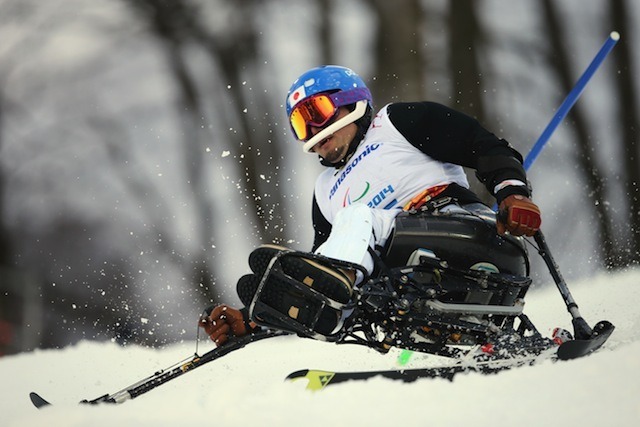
(144, 148)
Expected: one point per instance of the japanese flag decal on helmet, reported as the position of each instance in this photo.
(296, 96)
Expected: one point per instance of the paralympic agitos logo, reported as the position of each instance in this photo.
(376, 200)
(346, 201)
(349, 167)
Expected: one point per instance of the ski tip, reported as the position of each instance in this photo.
(37, 400)
(297, 374)
(582, 347)
(317, 379)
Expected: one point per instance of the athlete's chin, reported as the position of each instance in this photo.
(332, 156)
(330, 151)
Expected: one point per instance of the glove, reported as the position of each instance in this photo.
(224, 321)
(519, 216)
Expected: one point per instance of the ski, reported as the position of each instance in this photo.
(572, 349)
(582, 347)
(37, 400)
(165, 375)
(320, 379)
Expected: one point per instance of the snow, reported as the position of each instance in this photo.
(248, 388)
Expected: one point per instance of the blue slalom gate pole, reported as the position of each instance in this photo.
(571, 99)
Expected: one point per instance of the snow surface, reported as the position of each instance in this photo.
(247, 387)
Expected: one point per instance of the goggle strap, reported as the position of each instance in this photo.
(351, 96)
(361, 108)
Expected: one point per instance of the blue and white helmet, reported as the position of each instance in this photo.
(345, 87)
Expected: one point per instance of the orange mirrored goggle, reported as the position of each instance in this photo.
(319, 109)
(314, 111)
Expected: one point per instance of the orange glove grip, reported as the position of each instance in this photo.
(222, 322)
(519, 216)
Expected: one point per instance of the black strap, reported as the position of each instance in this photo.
(462, 195)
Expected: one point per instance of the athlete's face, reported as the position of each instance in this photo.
(334, 148)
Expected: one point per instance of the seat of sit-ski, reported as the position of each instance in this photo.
(463, 238)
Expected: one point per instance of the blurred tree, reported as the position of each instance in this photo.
(7, 298)
(16, 297)
(325, 34)
(5, 244)
(629, 113)
(398, 60)
(465, 39)
(232, 52)
(465, 46)
(170, 23)
(559, 58)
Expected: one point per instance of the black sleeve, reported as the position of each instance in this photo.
(450, 136)
(321, 226)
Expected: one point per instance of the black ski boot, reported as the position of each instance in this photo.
(294, 291)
